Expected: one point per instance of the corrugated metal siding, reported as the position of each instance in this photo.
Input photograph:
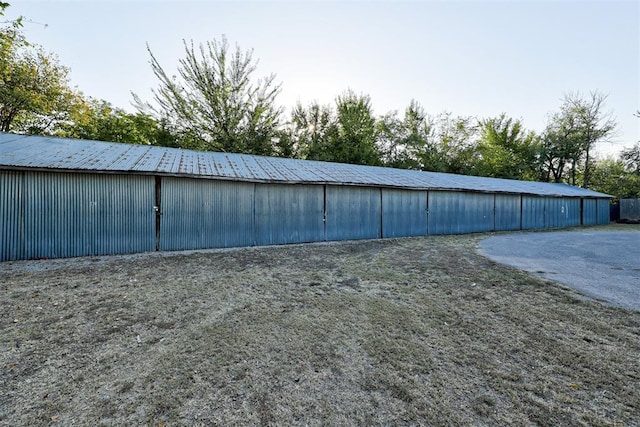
(589, 212)
(455, 212)
(630, 209)
(533, 212)
(68, 215)
(404, 213)
(572, 212)
(603, 211)
(352, 213)
(561, 212)
(198, 214)
(288, 214)
(11, 215)
(507, 211)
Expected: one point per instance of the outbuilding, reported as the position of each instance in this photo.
(67, 197)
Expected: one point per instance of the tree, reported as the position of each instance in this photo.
(346, 134)
(572, 134)
(451, 145)
(311, 128)
(215, 98)
(418, 141)
(404, 141)
(596, 125)
(631, 159)
(507, 150)
(613, 176)
(34, 87)
(9, 34)
(97, 119)
(356, 136)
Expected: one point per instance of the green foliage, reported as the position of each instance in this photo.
(572, 134)
(215, 100)
(631, 159)
(10, 35)
(347, 134)
(311, 128)
(614, 177)
(99, 120)
(34, 86)
(454, 146)
(402, 141)
(440, 144)
(354, 140)
(507, 150)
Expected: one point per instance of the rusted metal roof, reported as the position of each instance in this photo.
(49, 153)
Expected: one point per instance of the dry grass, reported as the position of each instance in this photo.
(402, 332)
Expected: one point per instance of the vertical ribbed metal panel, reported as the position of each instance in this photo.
(562, 212)
(630, 209)
(554, 212)
(404, 213)
(603, 211)
(199, 213)
(288, 213)
(507, 211)
(11, 215)
(453, 212)
(533, 212)
(589, 212)
(70, 214)
(571, 214)
(352, 213)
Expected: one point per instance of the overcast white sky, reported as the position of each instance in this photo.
(476, 58)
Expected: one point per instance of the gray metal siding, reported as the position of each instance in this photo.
(11, 215)
(199, 213)
(630, 209)
(288, 214)
(455, 212)
(404, 213)
(603, 211)
(68, 215)
(589, 212)
(352, 213)
(507, 211)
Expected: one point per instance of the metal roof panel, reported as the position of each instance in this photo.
(41, 152)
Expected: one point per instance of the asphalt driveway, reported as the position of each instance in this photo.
(604, 265)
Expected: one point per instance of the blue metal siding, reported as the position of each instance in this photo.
(288, 214)
(552, 212)
(199, 214)
(589, 212)
(455, 212)
(533, 212)
(352, 213)
(507, 211)
(11, 215)
(404, 213)
(603, 211)
(68, 215)
(571, 217)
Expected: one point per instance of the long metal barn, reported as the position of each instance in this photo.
(65, 198)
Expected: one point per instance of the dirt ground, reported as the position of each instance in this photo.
(395, 332)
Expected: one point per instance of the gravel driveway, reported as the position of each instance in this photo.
(604, 265)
